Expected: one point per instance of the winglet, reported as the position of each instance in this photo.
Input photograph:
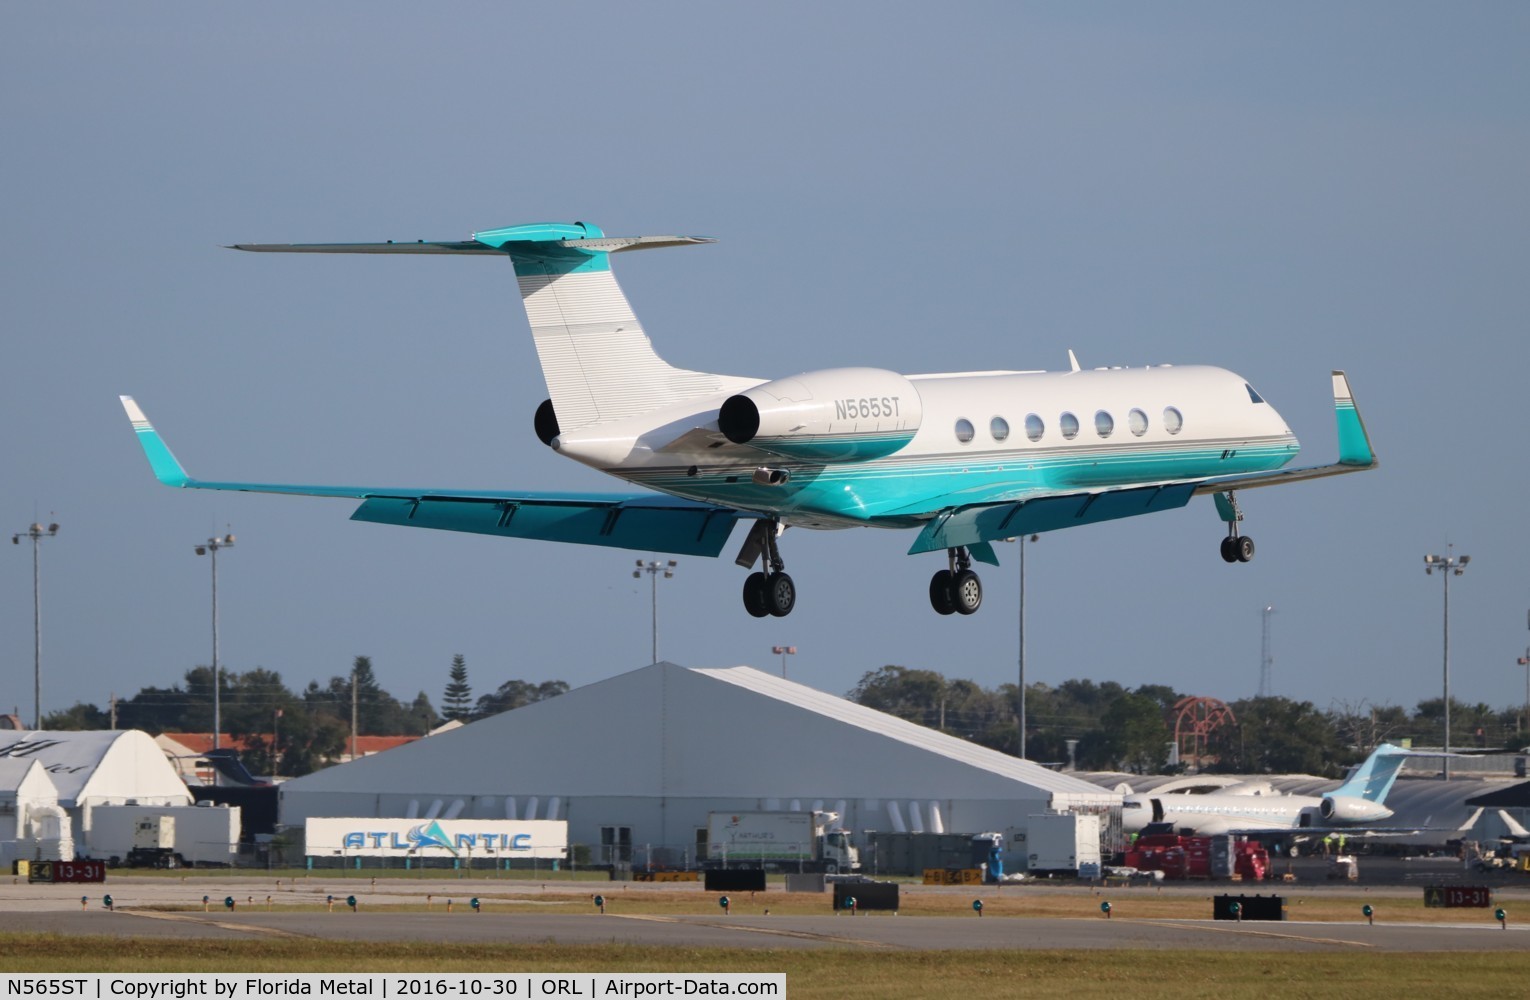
(166, 469)
(1354, 443)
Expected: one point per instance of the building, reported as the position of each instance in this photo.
(93, 785)
(636, 762)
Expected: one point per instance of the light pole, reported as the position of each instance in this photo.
(210, 548)
(1449, 565)
(653, 568)
(36, 533)
(784, 652)
(1022, 540)
(1524, 661)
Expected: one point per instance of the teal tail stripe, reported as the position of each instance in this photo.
(1354, 443)
(166, 469)
(1354, 446)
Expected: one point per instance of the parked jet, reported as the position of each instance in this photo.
(964, 459)
(1255, 809)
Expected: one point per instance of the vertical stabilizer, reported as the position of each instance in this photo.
(598, 362)
(1373, 779)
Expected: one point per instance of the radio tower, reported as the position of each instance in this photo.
(1266, 661)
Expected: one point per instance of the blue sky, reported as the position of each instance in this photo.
(1277, 190)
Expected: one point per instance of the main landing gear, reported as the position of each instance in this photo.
(956, 589)
(771, 592)
(1235, 547)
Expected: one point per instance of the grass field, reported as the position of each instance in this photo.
(829, 973)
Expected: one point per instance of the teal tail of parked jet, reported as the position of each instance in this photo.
(962, 459)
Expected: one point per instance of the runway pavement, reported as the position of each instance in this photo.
(570, 920)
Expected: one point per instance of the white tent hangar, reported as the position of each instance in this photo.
(87, 771)
(643, 757)
(30, 817)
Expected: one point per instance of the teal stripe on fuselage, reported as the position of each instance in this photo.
(896, 492)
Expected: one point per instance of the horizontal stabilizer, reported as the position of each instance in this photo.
(492, 242)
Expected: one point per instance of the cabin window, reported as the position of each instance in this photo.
(999, 428)
(964, 431)
(1173, 420)
(1252, 394)
(1034, 427)
(1104, 423)
(1068, 423)
(1137, 421)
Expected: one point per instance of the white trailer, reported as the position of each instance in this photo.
(803, 841)
(1063, 844)
(166, 836)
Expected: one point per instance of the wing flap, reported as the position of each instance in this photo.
(991, 522)
(677, 527)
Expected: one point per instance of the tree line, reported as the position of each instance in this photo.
(1109, 726)
(1119, 729)
(292, 733)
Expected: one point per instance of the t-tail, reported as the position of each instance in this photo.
(598, 363)
(1373, 779)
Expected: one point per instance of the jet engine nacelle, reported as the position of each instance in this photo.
(832, 415)
(1351, 809)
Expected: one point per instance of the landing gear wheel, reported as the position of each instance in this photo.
(1242, 548)
(780, 594)
(756, 601)
(966, 592)
(941, 598)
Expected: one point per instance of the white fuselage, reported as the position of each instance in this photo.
(1220, 812)
(980, 438)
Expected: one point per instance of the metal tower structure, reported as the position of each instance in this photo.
(1266, 660)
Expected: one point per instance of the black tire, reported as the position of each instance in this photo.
(941, 598)
(967, 592)
(780, 594)
(830, 868)
(1243, 548)
(1228, 555)
(756, 601)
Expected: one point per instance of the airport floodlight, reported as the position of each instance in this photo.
(784, 652)
(36, 532)
(1022, 539)
(211, 547)
(1449, 565)
(653, 568)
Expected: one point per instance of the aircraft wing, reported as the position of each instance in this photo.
(650, 522)
(987, 520)
(1287, 832)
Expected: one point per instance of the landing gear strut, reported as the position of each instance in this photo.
(956, 589)
(771, 592)
(1235, 547)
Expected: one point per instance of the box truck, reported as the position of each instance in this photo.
(789, 841)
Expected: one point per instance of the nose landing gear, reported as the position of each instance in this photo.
(957, 588)
(1235, 547)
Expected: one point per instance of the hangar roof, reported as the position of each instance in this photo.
(111, 765)
(25, 779)
(667, 730)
